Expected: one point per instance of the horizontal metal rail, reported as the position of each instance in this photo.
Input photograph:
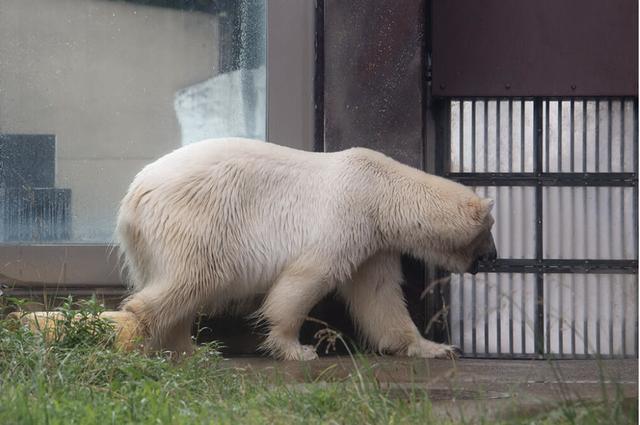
(559, 266)
(545, 179)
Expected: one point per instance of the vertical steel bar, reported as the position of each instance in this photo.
(572, 136)
(473, 278)
(462, 278)
(461, 297)
(511, 244)
(574, 230)
(510, 137)
(474, 348)
(635, 214)
(635, 315)
(486, 136)
(522, 103)
(461, 135)
(523, 308)
(498, 165)
(498, 277)
(585, 322)
(623, 233)
(486, 284)
(597, 223)
(537, 153)
(560, 212)
(597, 161)
(539, 236)
(546, 135)
(473, 136)
(523, 313)
(610, 207)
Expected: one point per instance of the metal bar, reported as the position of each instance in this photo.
(561, 317)
(510, 223)
(597, 152)
(474, 349)
(537, 154)
(545, 135)
(584, 136)
(498, 141)
(461, 135)
(635, 213)
(559, 127)
(585, 321)
(581, 266)
(609, 136)
(622, 122)
(486, 316)
(545, 179)
(622, 232)
(636, 319)
(635, 169)
(473, 136)
(461, 295)
(559, 211)
(486, 135)
(510, 151)
(573, 225)
(498, 314)
(511, 313)
(532, 356)
(610, 208)
(522, 140)
(572, 136)
(523, 310)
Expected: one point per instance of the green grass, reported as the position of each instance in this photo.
(79, 378)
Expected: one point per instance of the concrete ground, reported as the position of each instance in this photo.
(467, 387)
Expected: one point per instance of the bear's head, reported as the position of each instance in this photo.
(464, 239)
(445, 224)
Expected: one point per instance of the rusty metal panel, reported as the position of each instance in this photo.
(535, 48)
(374, 73)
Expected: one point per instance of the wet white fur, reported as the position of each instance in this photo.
(222, 221)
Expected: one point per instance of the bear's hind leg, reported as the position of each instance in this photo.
(285, 308)
(377, 305)
(166, 319)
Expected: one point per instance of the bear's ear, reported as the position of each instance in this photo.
(481, 208)
(487, 203)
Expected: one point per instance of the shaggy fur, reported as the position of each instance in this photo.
(221, 221)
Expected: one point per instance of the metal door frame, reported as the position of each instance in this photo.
(539, 179)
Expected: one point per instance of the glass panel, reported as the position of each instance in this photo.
(493, 313)
(589, 222)
(591, 313)
(91, 91)
(514, 214)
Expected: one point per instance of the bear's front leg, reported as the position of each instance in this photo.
(376, 302)
(287, 305)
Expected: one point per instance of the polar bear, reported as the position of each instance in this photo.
(221, 221)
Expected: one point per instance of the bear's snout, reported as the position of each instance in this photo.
(488, 255)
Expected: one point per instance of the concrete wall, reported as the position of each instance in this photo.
(101, 76)
(290, 73)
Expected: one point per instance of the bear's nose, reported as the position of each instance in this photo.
(490, 256)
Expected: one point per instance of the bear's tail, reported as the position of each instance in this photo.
(133, 253)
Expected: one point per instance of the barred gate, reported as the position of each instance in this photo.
(563, 173)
